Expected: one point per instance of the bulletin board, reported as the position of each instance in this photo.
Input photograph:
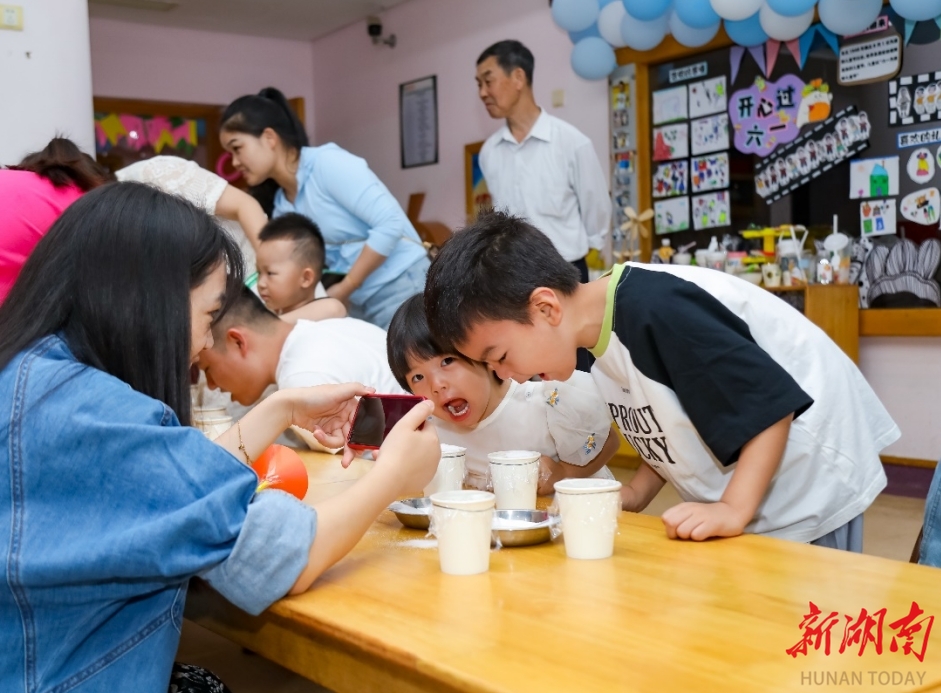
(895, 165)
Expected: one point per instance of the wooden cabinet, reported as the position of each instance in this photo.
(833, 308)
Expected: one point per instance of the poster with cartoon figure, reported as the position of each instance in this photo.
(671, 142)
(711, 211)
(671, 179)
(922, 206)
(709, 172)
(914, 99)
(707, 97)
(921, 165)
(877, 218)
(874, 177)
(671, 216)
(764, 115)
(710, 134)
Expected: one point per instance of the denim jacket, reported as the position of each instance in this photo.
(107, 508)
(930, 550)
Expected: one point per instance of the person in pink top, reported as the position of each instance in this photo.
(32, 196)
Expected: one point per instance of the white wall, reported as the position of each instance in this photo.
(357, 87)
(46, 86)
(159, 63)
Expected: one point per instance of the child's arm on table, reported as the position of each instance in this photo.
(642, 489)
(756, 466)
(551, 471)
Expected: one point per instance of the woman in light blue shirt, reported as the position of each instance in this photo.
(110, 501)
(368, 237)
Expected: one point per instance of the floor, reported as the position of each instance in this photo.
(891, 527)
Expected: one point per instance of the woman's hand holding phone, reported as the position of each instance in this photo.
(411, 451)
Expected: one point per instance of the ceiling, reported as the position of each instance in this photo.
(289, 19)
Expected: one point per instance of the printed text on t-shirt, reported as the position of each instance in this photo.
(637, 425)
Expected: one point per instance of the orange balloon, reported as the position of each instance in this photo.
(282, 468)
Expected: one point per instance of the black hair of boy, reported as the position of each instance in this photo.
(245, 310)
(510, 55)
(488, 271)
(410, 339)
(308, 241)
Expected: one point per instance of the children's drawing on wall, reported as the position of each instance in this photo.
(877, 217)
(921, 206)
(921, 166)
(710, 134)
(671, 142)
(815, 103)
(671, 216)
(914, 99)
(711, 211)
(707, 97)
(710, 172)
(669, 105)
(874, 177)
(671, 179)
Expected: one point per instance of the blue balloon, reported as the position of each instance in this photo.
(603, 3)
(791, 8)
(642, 36)
(647, 10)
(690, 37)
(577, 36)
(746, 32)
(919, 10)
(696, 14)
(575, 15)
(593, 58)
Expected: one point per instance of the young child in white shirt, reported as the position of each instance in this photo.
(290, 262)
(567, 422)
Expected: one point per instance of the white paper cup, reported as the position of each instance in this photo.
(212, 421)
(589, 510)
(450, 473)
(461, 521)
(515, 477)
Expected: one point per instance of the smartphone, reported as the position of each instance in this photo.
(375, 416)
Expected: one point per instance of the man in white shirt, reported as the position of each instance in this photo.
(537, 166)
(254, 349)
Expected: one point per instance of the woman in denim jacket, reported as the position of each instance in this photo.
(109, 501)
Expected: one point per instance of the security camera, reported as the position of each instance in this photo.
(374, 29)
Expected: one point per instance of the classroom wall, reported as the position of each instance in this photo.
(357, 87)
(159, 63)
(46, 79)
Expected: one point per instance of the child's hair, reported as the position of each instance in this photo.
(245, 310)
(308, 241)
(410, 339)
(488, 271)
(253, 114)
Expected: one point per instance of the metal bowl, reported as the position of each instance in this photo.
(523, 536)
(420, 519)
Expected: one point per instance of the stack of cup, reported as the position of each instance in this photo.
(461, 520)
(515, 476)
(589, 510)
(450, 474)
(212, 421)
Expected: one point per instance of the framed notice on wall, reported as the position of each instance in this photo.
(418, 119)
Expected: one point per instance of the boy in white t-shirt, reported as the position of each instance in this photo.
(254, 349)
(757, 418)
(567, 422)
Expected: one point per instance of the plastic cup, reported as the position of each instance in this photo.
(212, 421)
(589, 510)
(461, 520)
(515, 477)
(450, 473)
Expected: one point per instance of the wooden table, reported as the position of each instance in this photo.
(659, 616)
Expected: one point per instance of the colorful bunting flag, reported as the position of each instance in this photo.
(735, 58)
(772, 48)
(758, 53)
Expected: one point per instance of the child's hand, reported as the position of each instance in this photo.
(700, 521)
(549, 473)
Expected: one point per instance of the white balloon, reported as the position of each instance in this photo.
(736, 10)
(687, 35)
(642, 36)
(609, 23)
(846, 17)
(782, 28)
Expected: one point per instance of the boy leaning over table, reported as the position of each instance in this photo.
(761, 423)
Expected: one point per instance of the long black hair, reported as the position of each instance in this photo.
(113, 276)
(253, 114)
(62, 163)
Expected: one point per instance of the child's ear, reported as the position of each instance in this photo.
(236, 338)
(308, 278)
(544, 304)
